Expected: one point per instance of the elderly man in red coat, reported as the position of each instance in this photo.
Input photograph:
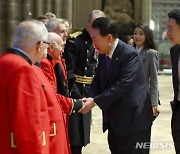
(24, 113)
(55, 48)
(58, 138)
(59, 141)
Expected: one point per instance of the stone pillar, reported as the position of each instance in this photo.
(81, 9)
(57, 7)
(25, 9)
(10, 22)
(38, 8)
(146, 11)
(47, 6)
(138, 11)
(67, 10)
(2, 25)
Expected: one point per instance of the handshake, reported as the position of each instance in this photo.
(88, 104)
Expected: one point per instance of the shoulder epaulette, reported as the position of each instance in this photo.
(75, 34)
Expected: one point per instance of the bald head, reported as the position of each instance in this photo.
(56, 45)
(53, 38)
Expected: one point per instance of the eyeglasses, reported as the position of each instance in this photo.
(44, 42)
(169, 29)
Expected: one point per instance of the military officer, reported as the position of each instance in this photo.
(81, 60)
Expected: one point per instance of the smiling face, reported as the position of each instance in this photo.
(139, 37)
(58, 48)
(173, 31)
(101, 43)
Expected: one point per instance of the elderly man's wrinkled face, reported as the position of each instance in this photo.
(62, 31)
(58, 48)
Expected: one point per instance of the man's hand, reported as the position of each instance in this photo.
(155, 110)
(88, 105)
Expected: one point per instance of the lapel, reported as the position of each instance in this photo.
(142, 54)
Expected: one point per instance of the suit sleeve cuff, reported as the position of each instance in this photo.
(76, 105)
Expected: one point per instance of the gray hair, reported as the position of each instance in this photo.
(28, 33)
(52, 24)
(95, 14)
(50, 15)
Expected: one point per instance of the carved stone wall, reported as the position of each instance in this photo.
(120, 11)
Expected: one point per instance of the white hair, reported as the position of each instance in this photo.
(52, 24)
(52, 37)
(28, 33)
(95, 14)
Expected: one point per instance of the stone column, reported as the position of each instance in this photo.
(147, 11)
(57, 7)
(47, 6)
(2, 25)
(67, 10)
(38, 7)
(138, 11)
(10, 22)
(25, 9)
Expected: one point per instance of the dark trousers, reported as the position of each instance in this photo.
(76, 149)
(128, 144)
(176, 139)
(175, 125)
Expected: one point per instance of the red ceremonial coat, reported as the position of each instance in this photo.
(48, 69)
(59, 141)
(24, 116)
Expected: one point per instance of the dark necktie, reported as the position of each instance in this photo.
(108, 60)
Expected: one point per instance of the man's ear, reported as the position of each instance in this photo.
(51, 47)
(109, 37)
(39, 46)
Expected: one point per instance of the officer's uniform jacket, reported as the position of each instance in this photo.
(81, 60)
(24, 113)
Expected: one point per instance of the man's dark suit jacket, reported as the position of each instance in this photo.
(122, 95)
(175, 53)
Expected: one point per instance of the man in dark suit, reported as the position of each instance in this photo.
(173, 32)
(81, 60)
(119, 89)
